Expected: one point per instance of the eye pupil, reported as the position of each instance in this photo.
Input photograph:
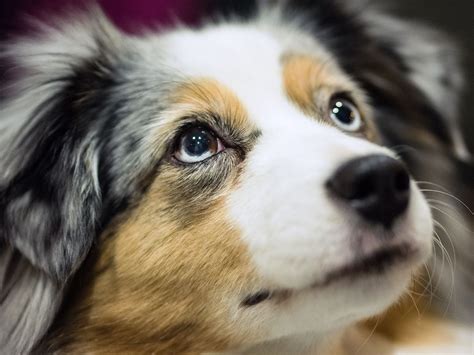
(343, 113)
(197, 142)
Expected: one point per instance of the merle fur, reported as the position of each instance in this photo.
(54, 204)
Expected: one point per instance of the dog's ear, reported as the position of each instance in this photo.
(428, 58)
(29, 300)
(50, 198)
(50, 194)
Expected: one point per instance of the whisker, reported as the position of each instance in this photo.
(445, 204)
(414, 303)
(449, 195)
(438, 243)
(432, 184)
(449, 238)
(451, 264)
(426, 284)
(459, 224)
(368, 337)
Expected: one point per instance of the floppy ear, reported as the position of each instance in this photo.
(429, 59)
(50, 194)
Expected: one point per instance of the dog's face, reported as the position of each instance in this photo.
(256, 199)
(261, 219)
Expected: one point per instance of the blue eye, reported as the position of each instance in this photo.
(197, 144)
(345, 115)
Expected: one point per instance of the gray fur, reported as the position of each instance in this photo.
(28, 302)
(44, 239)
(55, 196)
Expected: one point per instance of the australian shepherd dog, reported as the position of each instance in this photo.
(275, 180)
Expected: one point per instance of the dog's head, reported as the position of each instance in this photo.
(232, 179)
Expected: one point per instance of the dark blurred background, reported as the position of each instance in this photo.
(455, 17)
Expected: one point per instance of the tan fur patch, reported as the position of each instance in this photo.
(160, 286)
(303, 76)
(410, 322)
(208, 99)
(208, 95)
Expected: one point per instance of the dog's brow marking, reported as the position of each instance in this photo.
(308, 82)
(208, 95)
(301, 76)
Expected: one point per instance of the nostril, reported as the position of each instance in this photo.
(402, 181)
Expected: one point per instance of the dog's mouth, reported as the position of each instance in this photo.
(377, 262)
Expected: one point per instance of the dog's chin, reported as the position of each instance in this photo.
(340, 304)
(360, 289)
(367, 286)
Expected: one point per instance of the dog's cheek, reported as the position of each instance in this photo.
(186, 281)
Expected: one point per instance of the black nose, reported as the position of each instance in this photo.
(376, 186)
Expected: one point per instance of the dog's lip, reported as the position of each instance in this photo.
(373, 263)
(376, 262)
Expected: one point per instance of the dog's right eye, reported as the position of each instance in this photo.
(197, 144)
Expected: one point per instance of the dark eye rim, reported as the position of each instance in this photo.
(345, 96)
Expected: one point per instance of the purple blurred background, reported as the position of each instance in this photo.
(130, 15)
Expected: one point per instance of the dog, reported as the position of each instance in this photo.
(260, 183)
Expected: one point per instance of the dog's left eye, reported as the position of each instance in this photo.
(345, 115)
(197, 144)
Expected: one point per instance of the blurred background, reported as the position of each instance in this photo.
(455, 17)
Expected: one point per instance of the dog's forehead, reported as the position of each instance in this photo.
(236, 56)
(247, 60)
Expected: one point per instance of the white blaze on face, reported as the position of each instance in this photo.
(295, 231)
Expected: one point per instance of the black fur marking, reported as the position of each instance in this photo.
(240, 9)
